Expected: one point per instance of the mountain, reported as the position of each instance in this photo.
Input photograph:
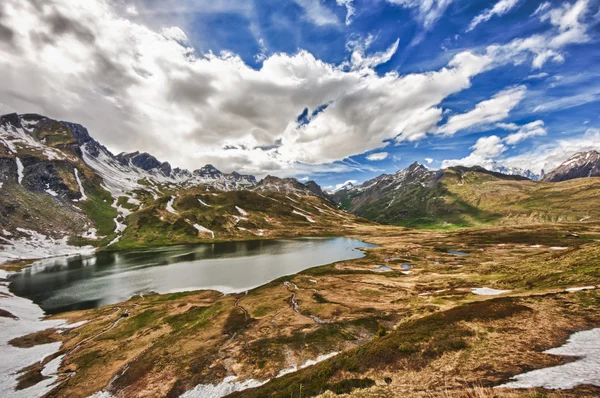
(499, 168)
(467, 196)
(61, 191)
(580, 165)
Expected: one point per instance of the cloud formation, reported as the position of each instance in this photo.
(155, 93)
(377, 156)
(485, 112)
(427, 11)
(137, 86)
(500, 8)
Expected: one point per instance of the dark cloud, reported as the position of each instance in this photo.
(191, 91)
(6, 33)
(61, 25)
(278, 143)
(111, 76)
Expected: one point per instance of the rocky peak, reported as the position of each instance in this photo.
(208, 170)
(284, 185)
(580, 165)
(144, 161)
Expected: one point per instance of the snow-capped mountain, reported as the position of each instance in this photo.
(515, 171)
(60, 188)
(288, 186)
(580, 165)
(345, 186)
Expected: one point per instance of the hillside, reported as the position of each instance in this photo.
(580, 165)
(462, 197)
(61, 192)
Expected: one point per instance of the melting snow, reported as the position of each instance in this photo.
(19, 170)
(38, 245)
(242, 211)
(306, 364)
(303, 215)
(204, 230)
(486, 291)
(229, 385)
(558, 248)
(170, 208)
(204, 204)
(226, 387)
(583, 371)
(83, 196)
(578, 289)
(13, 358)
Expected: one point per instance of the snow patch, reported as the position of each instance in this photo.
(303, 215)
(169, 207)
(14, 359)
(578, 289)
(486, 291)
(241, 211)
(20, 169)
(81, 191)
(38, 245)
(204, 230)
(306, 364)
(583, 371)
(226, 387)
(204, 204)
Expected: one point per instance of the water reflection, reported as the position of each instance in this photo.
(82, 282)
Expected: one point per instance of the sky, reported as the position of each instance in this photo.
(328, 90)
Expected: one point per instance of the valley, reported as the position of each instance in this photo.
(464, 276)
(495, 297)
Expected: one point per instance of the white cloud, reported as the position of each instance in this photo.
(303, 179)
(526, 131)
(568, 21)
(485, 148)
(317, 13)
(428, 11)
(429, 160)
(360, 61)
(175, 33)
(541, 8)
(152, 92)
(350, 10)
(131, 10)
(500, 8)
(485, 112)
(540, 75)
(568, 27)
(582, 96)
(549, 156)
(377, 156)
(155, 94)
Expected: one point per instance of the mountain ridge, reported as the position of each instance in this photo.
(61, 192)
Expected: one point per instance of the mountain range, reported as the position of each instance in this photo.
(61, 189)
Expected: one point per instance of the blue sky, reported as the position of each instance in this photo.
(442, 82)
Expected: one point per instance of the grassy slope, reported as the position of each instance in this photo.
(269, 215)
(477, 199)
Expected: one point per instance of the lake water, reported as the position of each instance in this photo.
(83, 282)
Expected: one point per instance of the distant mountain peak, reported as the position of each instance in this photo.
(579, 165)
